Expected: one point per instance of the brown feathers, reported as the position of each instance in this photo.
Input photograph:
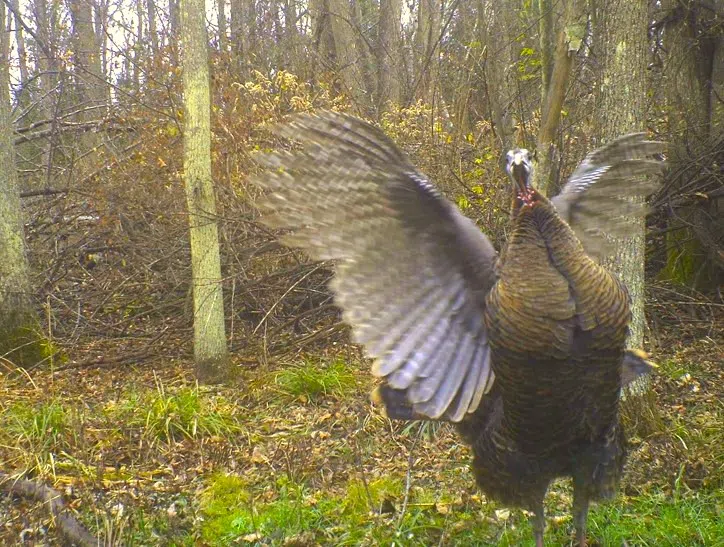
(524, 352)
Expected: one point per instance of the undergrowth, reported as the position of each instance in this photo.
(168, 414)
(311, 381)
(297, 456)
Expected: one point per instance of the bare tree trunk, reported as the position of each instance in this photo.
(221, 20)
(100, 13)
(717, 81)
(322, 40)
(388, 53)
(90, 80)
(243, 30)
(46, 48)
(688, 75)
(174, 24)
(347, 55)
(210, 350)
(427, 48)
(19, 327)
(20, 41)
(547, 42)
(623, 46)
(622, 43)
(294, 60)
(278, 56)
(152, 32)
(89, 73)
(139, 51)
(570, 35)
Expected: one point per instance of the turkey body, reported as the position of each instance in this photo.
(557, 324)
(525, 352)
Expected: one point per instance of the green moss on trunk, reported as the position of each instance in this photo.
(686, 261)
(21, 343)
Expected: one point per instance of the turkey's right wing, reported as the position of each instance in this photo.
(603, 197)
(412, 271)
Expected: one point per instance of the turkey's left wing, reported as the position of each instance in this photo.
(605, 194)
(412, 271)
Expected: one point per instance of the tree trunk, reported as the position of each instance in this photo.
(496, 23)
(570, 35)
(20, 340)
(90, 85)
(322, 40)
(174, 24)
(688, 77)
(138, 51)
(152, 32)
(22, 54)
(388, 53)
(622, 44)
(294, 60)
(623, 47)
(243, 29)
(222, 25)
(347, 56)
(210, 351)
(717, 81)
(100, 13)
(547, 42)
(427, 48)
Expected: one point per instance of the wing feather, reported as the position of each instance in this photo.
(412, 271)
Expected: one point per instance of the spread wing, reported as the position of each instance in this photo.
(605, 195)
(412, 271)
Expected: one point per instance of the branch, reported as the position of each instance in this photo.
(68, 526)
(27, 29)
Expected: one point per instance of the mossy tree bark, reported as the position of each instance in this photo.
(20, 340)
(210, 350)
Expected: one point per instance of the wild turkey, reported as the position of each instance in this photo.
(524, 352)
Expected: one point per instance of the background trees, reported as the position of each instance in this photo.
(112, 147)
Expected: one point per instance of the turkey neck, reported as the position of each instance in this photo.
(558, 324)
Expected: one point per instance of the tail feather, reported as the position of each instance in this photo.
(635, 365)
(394, 403)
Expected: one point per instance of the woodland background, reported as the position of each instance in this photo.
(100, 396)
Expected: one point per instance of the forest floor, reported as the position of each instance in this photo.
(295, 455)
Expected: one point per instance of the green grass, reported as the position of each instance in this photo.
(42, 427)
(658, 521)
(38, 434)
(167, 414)
(231, 515)
(313, 380)
(363, 498)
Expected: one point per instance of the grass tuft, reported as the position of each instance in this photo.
(42, 427)
(172, 415)
(313, 381)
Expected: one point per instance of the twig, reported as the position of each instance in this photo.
(290, 289)
(408, 477)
